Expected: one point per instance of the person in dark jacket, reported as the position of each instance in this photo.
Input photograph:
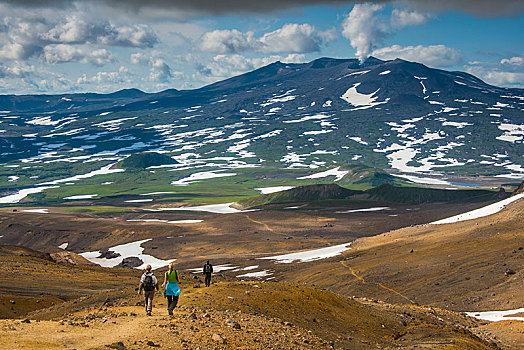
(148, 284)
(207, 271)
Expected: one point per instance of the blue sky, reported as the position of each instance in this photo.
(70, 46)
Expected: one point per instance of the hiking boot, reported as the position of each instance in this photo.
(148, 313)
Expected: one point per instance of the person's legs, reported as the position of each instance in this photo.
(172, 302)
(208, 279)
(149, 301)
(169, 302)
(146, 298)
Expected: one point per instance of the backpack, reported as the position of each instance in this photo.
(148, 283)
(207, 268)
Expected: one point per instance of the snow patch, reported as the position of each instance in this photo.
(204, 175)
(424, 180)
(310, 255)
(364, 101)
(358, 139)
(216, 268)
(364, 210)
(458, 125)
(306, 118)
(17, 197)
(258, 274)
(512, 133)
(495, 316)
(268, 190)
(102, 171)
(167, 221)
(38, 211)
(81, 196)
(211, 208)
(139, 200)
(339, 174)
(481, 212)
(127, 250)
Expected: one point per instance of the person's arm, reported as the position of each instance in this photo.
(165, 281)
(177, 277)
(156, 282)
(140, 287)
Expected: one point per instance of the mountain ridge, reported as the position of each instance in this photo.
(398, 116)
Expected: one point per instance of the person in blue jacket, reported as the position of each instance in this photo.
(171, 289)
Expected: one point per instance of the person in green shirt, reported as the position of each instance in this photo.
(171, 289)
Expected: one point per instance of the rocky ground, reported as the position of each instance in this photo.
(473, 265)
(396, 288)
(244, 315)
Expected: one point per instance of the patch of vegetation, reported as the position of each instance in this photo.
(418, 195)
(145, 160)
(301, 194)
(97, 209)
(332, 193)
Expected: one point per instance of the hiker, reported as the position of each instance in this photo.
(148, 283)
(208, 270)
(171, 289)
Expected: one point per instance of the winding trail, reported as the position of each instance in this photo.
(260, 223)
(361, 279)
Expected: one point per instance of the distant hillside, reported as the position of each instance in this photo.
(418, 195)
(145, 160)
(365, 176)
(382, 193)
(363, 117)
(301, 194)
(520, 189)
(287, 114)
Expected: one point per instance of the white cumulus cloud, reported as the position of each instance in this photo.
(107, 78)
(139, 58)
(433, 55)
(404, 18)
(296, 38)
(160, 71)
(78, 30)
(291, 38)
(503, 74)
(63, 53)
(64, 39)
(228, 41)
(517, 60)
(226, 66)
(16, 70)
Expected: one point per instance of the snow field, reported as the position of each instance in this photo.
(310, 255)
(481, 212)
(127, 250)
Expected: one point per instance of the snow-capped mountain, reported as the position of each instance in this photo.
(394, 115)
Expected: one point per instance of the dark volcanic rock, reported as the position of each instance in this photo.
(108, 254)
(509, 272)
(130, 262)
(520, 189)
(118, 345)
